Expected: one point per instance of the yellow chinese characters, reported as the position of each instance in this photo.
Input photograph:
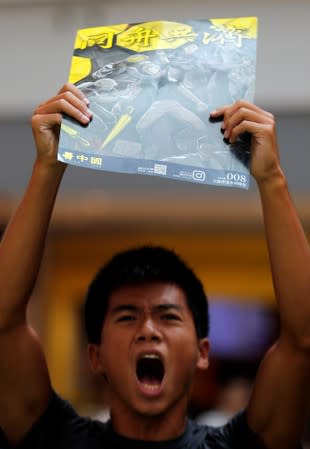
(156, 36)
(231, 31)
(101, 36)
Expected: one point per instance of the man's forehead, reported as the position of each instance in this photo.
(151, 295)
(143, 307)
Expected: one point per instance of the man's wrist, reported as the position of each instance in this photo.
(49, 170)
(273, 182)
(47, 177)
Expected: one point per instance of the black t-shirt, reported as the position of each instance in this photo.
(60, 427)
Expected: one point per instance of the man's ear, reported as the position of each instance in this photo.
(95, 360)
(203, 357)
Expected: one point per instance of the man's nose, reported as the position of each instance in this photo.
(148, 331)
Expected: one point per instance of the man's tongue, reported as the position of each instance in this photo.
(148, 380)
(150, 386)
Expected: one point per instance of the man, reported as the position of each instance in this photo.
(150, 338)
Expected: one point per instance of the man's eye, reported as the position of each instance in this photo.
(170, 316)
(126, 318)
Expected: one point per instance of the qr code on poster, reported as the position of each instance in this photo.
(160, 169)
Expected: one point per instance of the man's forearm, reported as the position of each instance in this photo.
(289, 255)
(22, 245)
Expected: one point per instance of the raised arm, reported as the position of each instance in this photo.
(24, 381)
(278, 406)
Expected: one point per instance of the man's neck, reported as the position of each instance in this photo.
(167, 426)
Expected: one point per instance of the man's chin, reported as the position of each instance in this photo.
(152, 409)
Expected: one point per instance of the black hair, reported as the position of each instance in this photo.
(138, 266)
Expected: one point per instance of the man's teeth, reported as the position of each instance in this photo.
(151, 388)
(150, 356)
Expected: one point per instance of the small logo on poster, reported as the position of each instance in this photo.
(199, 175)
(160, 169)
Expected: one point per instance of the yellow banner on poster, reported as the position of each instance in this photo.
(80, 68)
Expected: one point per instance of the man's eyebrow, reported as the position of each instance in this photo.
(168, 307)
(124, 308)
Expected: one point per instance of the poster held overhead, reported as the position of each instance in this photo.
(151, 88)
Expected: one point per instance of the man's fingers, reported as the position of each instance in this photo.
(248, 115)
(219, 112)
(68, 87)
(243, 104)
(226, 112)
(253, 128)
(66, 103)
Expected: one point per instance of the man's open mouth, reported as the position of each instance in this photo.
(150, 373)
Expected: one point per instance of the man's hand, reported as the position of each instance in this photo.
(243, 116)
(47, 117)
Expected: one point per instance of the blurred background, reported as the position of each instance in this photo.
(217, 230)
